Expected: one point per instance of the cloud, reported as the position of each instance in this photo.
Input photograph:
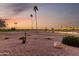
(18, 8)
(13, 9)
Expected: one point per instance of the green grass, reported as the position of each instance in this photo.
(11, 30)
(4, 30)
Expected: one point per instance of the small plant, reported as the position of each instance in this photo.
(21, 38)
(71, 40)
(23, 41)
(29, 35)
(6, 37)
(48, 38)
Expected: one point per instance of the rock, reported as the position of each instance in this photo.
(57, 45)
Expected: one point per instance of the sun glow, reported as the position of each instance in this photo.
(18, 23)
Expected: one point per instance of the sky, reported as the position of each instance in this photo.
(50, 15)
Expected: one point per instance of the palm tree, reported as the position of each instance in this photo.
(31, 20)
(36, 9)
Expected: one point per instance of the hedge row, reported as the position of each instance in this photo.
(71, 40)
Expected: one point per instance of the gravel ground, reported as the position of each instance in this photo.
(37, 44)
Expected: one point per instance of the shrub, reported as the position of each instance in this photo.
(46, 29)
(13, 28)
(48, 38)
(6, 37)
(71, 40)
(21, 38)
(52, 29)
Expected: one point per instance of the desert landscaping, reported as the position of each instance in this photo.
(38, 29)
(37, 44)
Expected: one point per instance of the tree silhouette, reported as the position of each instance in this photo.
(46, 29)
(52, 29)
(15, 24)
(35, 10)
(6, 25)
(2, 24)
(31, 20)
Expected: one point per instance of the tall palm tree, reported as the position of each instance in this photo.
(31, 20)
(36, 9)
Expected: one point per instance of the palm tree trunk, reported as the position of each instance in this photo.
(32, 22)
(36, 21)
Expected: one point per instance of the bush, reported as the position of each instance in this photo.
(13, 28)
(46, 29)
(52, 29)
(71, 40)
(21, 38)
(6, 37)
(48, 38)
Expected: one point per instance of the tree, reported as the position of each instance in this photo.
(52, 29)
(36, 9)
(15, 23)
(2, 23)
(46, 29)
(31, 20)
(13, 28)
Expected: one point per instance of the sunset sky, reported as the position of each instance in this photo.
(49, 15)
